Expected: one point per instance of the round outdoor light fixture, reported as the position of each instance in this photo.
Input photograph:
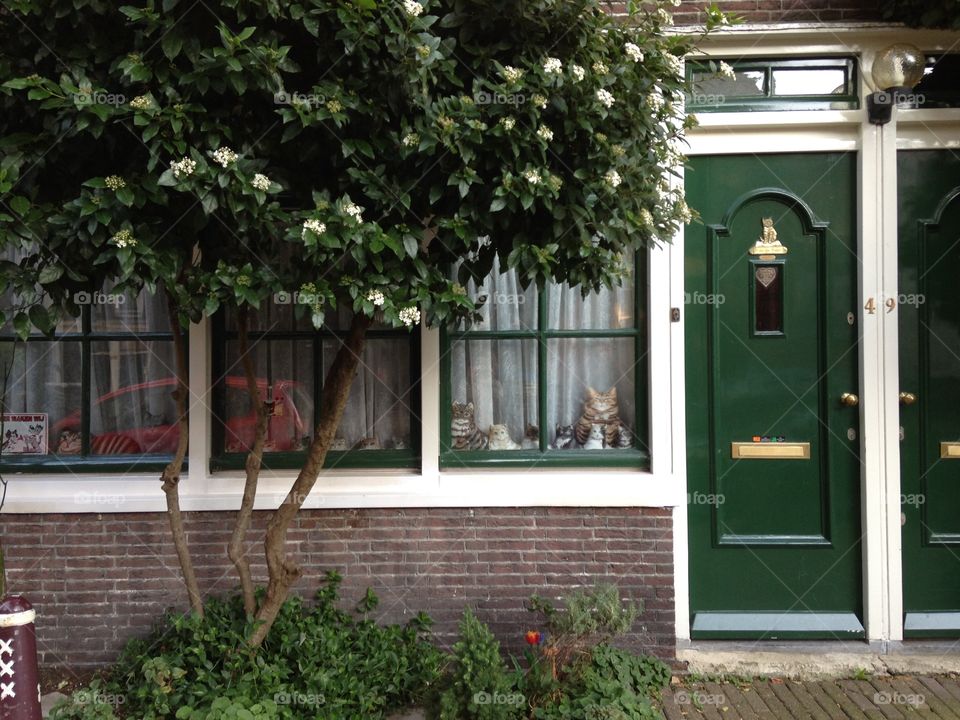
(896, 71)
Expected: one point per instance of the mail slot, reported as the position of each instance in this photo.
(770, 451)
(950, 450)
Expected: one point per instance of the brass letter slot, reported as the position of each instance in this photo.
(950, 450)
(772, 451)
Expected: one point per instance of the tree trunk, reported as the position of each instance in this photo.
(236, 551)
(171, 473)
(283, 571)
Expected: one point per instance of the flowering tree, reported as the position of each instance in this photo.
(350, 152)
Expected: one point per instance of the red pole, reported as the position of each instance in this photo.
(19, 675)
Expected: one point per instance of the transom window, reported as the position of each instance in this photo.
(773, 84)
(548, 378)
(98, 393)
(940, 86)
(380, 426)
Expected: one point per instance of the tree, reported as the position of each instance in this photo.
(353, 152)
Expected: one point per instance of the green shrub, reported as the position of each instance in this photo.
(318, 661)
(87, 704)
(479, 685)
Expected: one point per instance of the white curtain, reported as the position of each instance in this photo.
(500, 376)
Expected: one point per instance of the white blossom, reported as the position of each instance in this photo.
(532, 176)
(635, 53)
(612, 178)
(655, 101)
(553, 66)
(646, 218)
(224, 156)
(539, 100)
(578, 73)
(605, 98)
(314, 226)
(600, 68)
(141, 102)
(508, 122)
(412, 8)
(354, 211)
(664, 17)
(114, 182)
(183, 168)
(376, 297)
(511, 74)
(545, 133)
(673, 63)
(726, 71)
(683, 212)
(411, 140)
(260, 182)
(410, 316)
(124, 239)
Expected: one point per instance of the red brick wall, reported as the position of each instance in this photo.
(97, 580)
(690, 12)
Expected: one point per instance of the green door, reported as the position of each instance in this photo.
(929, 215)
(771, 381)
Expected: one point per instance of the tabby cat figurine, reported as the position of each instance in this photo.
(564, 439)
(624, 437)
(595, 440)
(531, 438)
(367, 443)
(339, 444)
(500, 438)
(464, 433)
(600, 408)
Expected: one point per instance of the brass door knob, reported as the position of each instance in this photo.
(849, 399)
(907, 398)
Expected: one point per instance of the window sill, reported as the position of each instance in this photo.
(348, 489)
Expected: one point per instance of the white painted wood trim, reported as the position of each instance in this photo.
(871, 383)
(890, 532)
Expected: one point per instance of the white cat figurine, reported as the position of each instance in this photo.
(595, 438)
(499, 438)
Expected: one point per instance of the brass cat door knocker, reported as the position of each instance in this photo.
(768, 246)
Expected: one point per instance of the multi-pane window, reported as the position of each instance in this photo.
(549, 377)
(772, 84)
(380, 426)
(99, 391)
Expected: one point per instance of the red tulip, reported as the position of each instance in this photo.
(533, 637)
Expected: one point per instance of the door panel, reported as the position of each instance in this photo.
(773, 465)
(930, 371)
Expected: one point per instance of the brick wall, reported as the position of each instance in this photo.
(97, 580)
(690, 12)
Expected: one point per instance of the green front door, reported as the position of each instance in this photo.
(929, 216)
(773, 441)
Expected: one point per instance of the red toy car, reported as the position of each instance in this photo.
(135, 430)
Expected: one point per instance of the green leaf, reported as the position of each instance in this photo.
(19, 204)
(498, 204)
(40, 318)
(21, 324)
(411, 245)
(171, 44)
(49, 274)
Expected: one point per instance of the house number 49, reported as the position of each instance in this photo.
(871, 306)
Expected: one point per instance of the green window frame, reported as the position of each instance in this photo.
(85, 337)
(220, 459)
(721, 95)
(637, 457)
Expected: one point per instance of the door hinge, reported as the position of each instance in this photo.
(674, 314)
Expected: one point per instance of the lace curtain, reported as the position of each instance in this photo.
(500, 376)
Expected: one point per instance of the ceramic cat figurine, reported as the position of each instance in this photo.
(339, 444)
(500, 438)
(464, 433)
(600, 408)
(565, 439)
(624, 437)
(399, 443)
(367, 443)
(595, 439)
(531, 438)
